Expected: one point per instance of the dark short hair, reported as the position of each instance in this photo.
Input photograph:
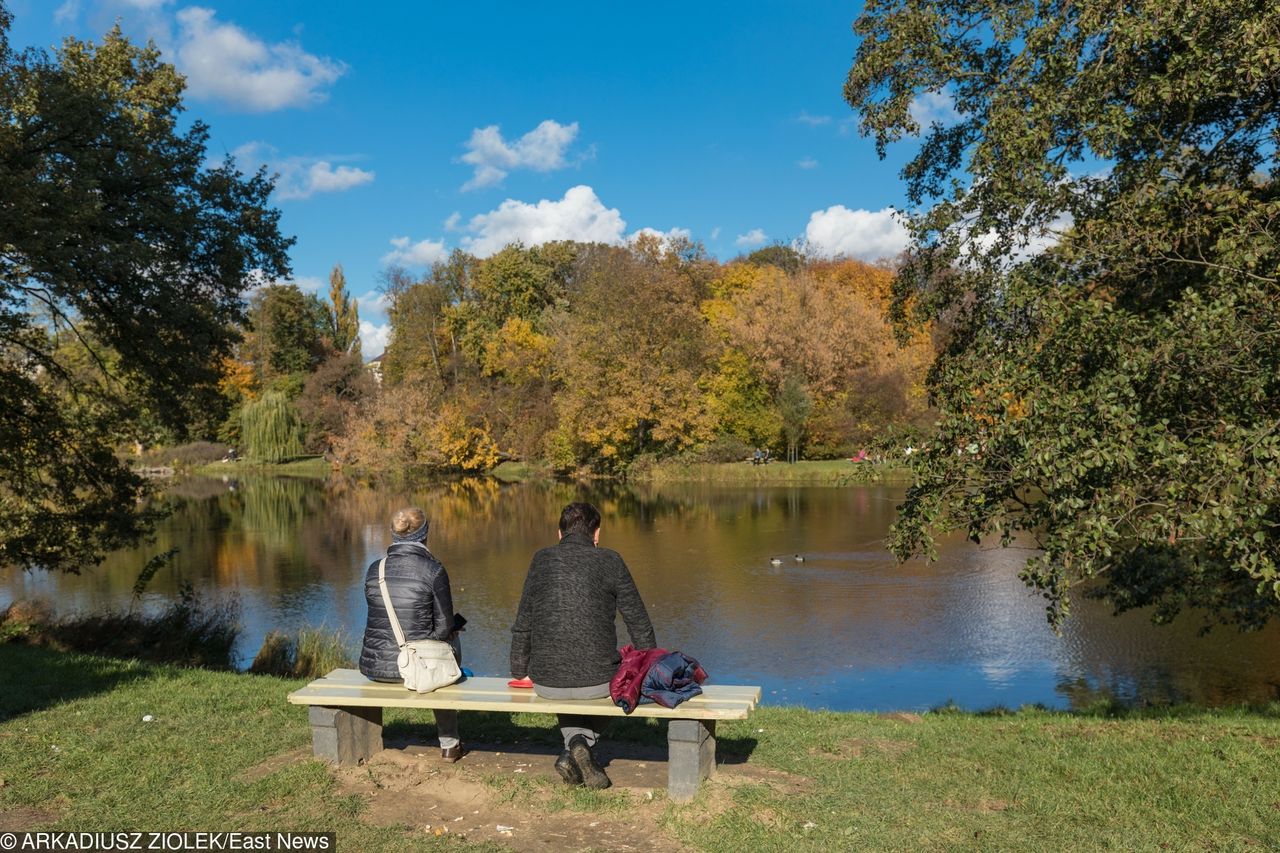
(579, 518)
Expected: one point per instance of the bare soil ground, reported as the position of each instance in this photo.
(408, 784)
(511, 795)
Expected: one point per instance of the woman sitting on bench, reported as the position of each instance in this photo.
(419, 590)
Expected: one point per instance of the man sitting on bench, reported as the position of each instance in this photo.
(564, 637)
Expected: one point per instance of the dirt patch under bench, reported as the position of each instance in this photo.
(487, 797)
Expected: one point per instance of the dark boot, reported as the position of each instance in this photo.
(593, 775)
(568, 771)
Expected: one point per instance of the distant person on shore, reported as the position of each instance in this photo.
(419, 590)
(564, 637)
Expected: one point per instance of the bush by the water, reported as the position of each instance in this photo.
(313, 653)
(189, 632)
(725, 448)
(185, 456)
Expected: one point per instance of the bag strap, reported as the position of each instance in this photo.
(386, 600)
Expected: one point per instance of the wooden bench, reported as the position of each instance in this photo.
(346, 717)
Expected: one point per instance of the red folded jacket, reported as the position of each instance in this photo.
(624, 689)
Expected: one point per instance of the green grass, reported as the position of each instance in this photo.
(1191, 779)
(808, 472)
(310, 654)
(314, 466)
(73, 746)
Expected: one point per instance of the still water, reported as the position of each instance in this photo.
(845, 629)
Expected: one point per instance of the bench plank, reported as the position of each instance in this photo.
(348, 688)
(491, 684)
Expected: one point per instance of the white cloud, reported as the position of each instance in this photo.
(928, 107)
(1049, 236)
(146, 4)
(223, 62)
(67, 12)
(451, 224)
(578, 216)
(302, 177)
(374, 339)
(664, 238)
(715, 233)
(373, 304)
(322, 177)
(754, 237)
(308, 283)
(807, 163)
(867, 235)
(423, 253)
(812, 121)
(1030, 242)
(541, 149)
(254, 280)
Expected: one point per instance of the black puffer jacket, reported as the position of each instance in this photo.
(419, 589)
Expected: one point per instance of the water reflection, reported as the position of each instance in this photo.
(846, 628)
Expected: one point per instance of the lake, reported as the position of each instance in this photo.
(847, 629)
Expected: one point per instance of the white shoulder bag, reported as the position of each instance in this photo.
(424, 664)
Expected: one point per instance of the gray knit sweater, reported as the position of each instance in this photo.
(564, 635)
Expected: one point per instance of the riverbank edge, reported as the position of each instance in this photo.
(90, 743)
(806, 472)
(315, 467)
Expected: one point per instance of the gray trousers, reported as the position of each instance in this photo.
(572, 725)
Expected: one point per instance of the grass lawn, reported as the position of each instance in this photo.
(75, 754)
(808, 472)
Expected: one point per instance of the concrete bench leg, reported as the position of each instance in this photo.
(346, 735)
(691, 756)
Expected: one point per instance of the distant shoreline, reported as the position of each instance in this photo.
(315, 466)
(815, 472)
(808, 472)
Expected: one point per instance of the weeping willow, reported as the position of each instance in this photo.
(270, 429)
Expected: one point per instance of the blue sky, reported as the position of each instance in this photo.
(402, 130)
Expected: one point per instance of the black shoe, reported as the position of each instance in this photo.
(593, 775)
(568, 771)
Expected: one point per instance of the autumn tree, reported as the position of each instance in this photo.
(343, 314)
(631, 347)
(516, 282)
(286, 337)
(422, 347)
(331, 398)
(782, 256)
(118, 233)
(1115, 399)
(822, 328)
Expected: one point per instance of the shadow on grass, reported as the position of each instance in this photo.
(641, 738)
(37, 678)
